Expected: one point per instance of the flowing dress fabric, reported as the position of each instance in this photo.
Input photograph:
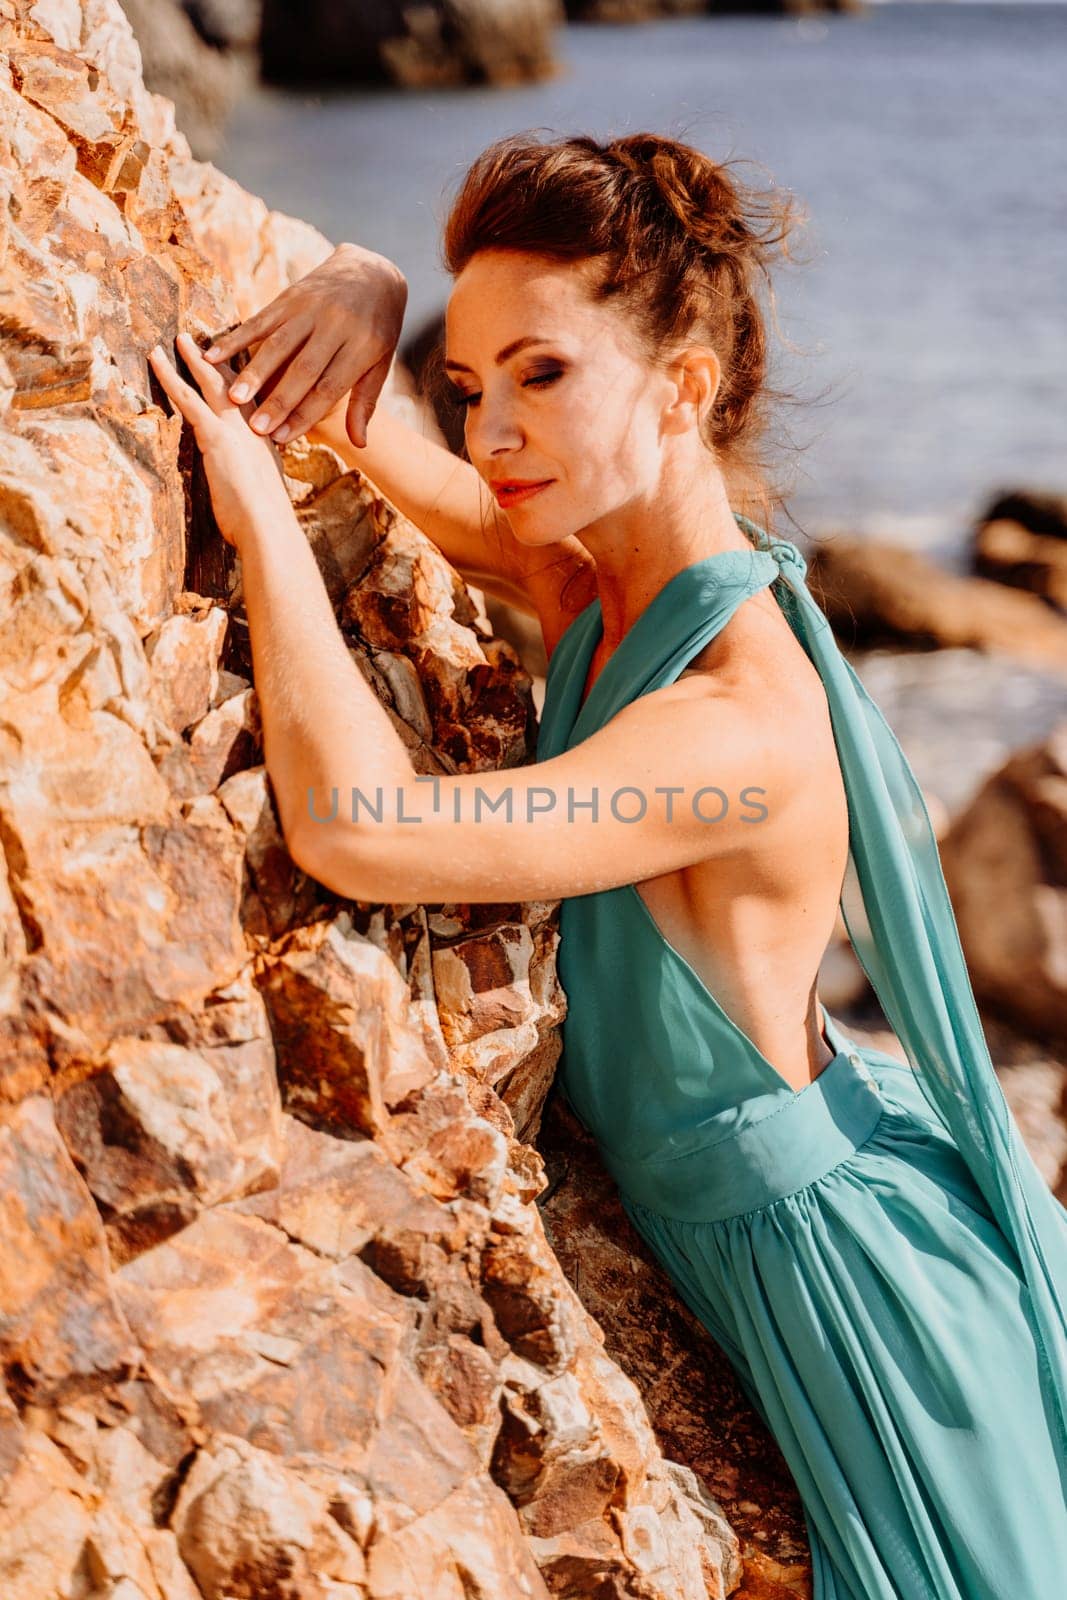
(877, 1253)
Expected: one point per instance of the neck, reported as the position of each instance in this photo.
(647, 545)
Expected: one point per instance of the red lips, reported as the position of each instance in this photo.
(509, 491)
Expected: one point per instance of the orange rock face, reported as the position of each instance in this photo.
(278, 1315)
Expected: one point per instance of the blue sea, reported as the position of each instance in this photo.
(928, 145)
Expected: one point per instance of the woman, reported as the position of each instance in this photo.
(872, 1246)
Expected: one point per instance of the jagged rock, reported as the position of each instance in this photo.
(168, 1127)
(61, 1331)
(277, 1307)
(435, 43)
(276, 1297)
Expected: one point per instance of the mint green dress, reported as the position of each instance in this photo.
(876, 1254)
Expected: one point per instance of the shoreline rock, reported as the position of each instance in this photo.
(439, 43)
(1021, 540)
(621, 11)
(1005, 861)
(880, 594)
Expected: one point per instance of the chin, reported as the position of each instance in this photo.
(544, 541)
(527, 532)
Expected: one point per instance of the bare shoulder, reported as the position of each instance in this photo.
(757, 666)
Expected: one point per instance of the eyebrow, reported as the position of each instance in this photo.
(508, 351)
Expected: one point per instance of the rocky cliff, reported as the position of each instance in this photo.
(278, 1313)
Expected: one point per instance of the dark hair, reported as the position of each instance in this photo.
(684, 247)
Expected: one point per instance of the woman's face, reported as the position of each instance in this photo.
(563, 413)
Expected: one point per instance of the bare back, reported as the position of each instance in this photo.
(768, 910)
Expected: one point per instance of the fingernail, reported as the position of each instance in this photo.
(239, 392)
(261, 421)
(212, 354)
(281, 434)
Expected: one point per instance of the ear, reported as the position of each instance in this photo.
(695, 377)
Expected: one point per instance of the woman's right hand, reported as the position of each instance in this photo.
(330, 334)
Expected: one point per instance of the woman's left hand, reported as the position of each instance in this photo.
(242, 467)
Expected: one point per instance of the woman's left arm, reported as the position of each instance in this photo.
(677, 776)
(316, 710)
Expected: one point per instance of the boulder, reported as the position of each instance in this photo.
(1005, 860)
(226, 24)
(433, 44)
(880, 594)
(1021, 539)
(1041, 511)
(632, 10)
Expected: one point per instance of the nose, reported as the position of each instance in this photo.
(492, 429)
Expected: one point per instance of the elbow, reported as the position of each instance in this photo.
(301, 854)
(337, 865)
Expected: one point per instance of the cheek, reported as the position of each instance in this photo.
(606, 431)
(627, 440)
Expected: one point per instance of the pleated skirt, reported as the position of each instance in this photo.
(842, 1256)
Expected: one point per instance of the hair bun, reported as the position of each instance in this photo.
(699, 194)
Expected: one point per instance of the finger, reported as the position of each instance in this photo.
(356, 422)
(364, 400)
(188, 402)
(274, 350)
(246, 333)
(302, 373)
(212, 383)
(334, 379)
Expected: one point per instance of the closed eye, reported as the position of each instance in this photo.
(539, 380)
